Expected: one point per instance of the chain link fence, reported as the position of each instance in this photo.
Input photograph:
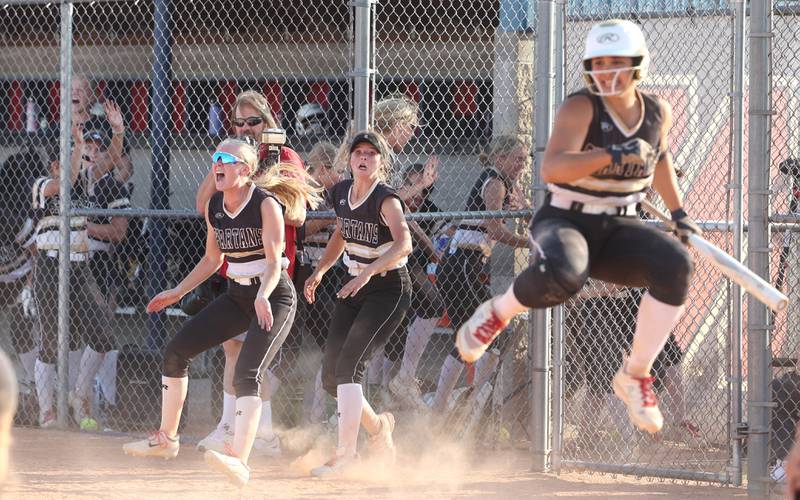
(158, 82)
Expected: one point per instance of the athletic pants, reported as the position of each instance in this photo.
(362, 324)
(228, 316)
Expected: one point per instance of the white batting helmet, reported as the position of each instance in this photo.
(310, 120)
(615, 38)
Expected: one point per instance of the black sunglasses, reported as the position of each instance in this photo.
(251, 121)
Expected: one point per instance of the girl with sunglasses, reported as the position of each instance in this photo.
(245, 223)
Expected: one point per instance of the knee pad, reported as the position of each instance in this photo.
(670, 283)
(547, 283)
(246, 386)
(175, 364)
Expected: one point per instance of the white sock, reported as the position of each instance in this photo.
(28, 360)
(419, 333)
(173, 394)
(107, 376)
(265, 422)
(507, 306)
(349, 400)
(248, 409)
(90, 363)
(45, 377)
(653, 324)
(228, 412)
(74, 367)
(448, 378)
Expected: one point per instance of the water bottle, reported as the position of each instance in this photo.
(214, 118)
(31, 116)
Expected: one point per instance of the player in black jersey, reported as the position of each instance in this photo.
(460, 275)
(89, 313)
(372, 233)
(245, 224)
(608, 146)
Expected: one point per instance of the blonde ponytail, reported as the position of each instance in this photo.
(293, 187)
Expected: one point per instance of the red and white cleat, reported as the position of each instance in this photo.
(637, 394)
(475, 336)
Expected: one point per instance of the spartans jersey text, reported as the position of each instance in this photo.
(358, 231)
(238, 238)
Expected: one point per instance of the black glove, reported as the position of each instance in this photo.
(684, 225)
(635, 147)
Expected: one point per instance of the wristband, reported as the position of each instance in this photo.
(678, 214)
(121, 132)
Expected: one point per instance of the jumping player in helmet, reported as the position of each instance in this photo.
(608, 147)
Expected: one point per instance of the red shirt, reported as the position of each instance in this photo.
(288, 156)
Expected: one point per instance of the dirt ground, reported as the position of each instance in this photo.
(56, 464)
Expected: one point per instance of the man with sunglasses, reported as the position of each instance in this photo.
(250, 117)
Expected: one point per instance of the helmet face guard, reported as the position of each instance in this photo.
(590, 76)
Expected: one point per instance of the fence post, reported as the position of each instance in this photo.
(758, 328)
(65, 187)
(540, 330)
(160, 135)
(737, 156)
(557, 329)
(364, 64)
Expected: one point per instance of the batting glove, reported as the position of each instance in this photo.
(637, 148)
(684, 225)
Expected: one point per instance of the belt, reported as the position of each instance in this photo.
(255, 280)
(73, 257)
(566, 203)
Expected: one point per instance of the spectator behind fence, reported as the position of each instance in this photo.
(459, 274)
(396, 118)
(405, 348)
(17, 175)
(89, 313)
(785, 417)
(86, 106)
(250, 117)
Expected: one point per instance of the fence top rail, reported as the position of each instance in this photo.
(328, 214)
(779, 222)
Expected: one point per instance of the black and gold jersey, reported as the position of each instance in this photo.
(618, 185)
(105, 193)
(363, 229)
(239, 234)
